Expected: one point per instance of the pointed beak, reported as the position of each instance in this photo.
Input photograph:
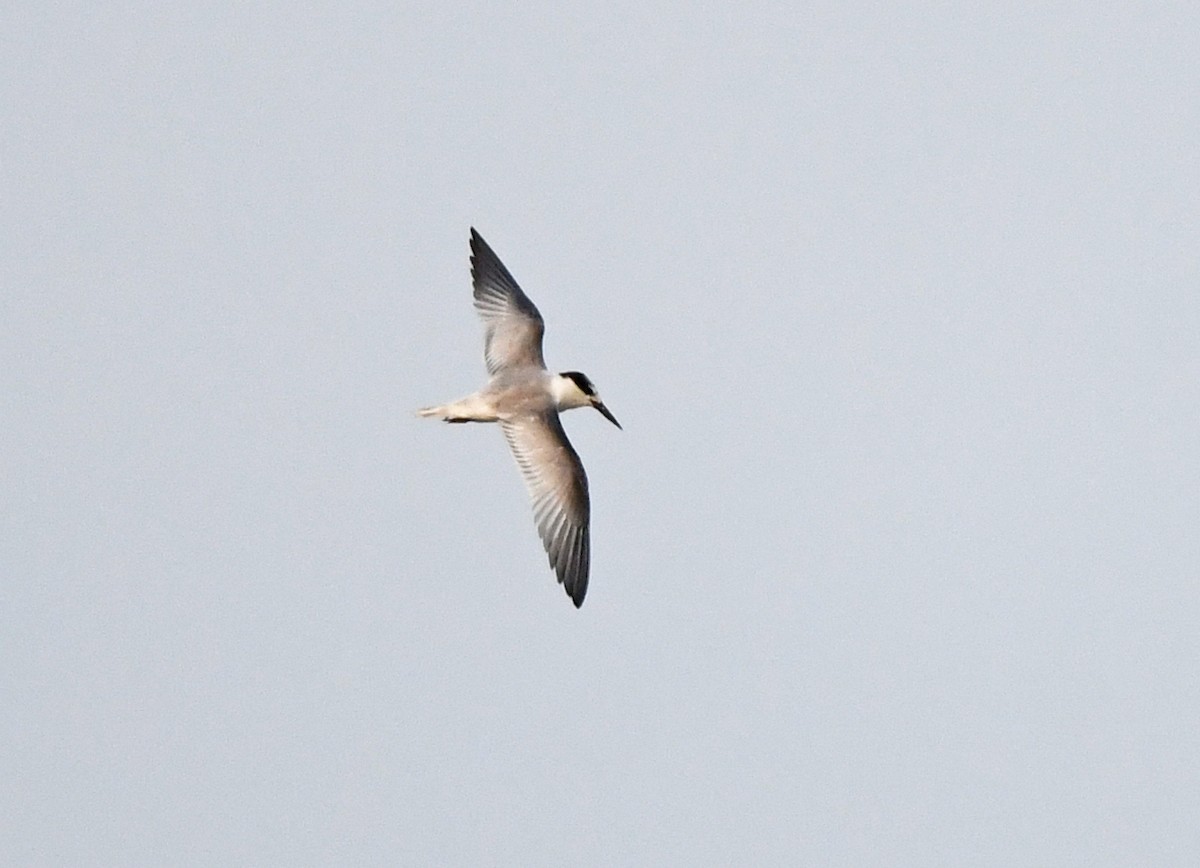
(599, 405)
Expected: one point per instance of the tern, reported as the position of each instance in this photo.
(526, 399)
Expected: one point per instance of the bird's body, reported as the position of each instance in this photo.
(525, 399)
(513, 393)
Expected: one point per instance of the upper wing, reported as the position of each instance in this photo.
(514, 326)
(558, 487)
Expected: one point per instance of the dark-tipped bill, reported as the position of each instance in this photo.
(599, 405)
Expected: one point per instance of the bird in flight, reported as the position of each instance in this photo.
(526, 400)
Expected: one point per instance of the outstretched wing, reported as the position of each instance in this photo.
(514, 327)
(558, 487)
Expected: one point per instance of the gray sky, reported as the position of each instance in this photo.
(895, 562)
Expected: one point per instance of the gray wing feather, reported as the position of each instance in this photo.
(558, 488)
(514, 328)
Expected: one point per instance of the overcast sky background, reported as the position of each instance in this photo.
(895, 562)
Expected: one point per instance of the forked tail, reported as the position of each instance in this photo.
(473, 408)
(447, 413)
(442, 412)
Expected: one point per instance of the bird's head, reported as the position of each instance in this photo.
(574, 389)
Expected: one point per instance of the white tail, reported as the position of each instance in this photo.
(472, 408)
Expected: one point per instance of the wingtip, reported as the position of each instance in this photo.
(480, 251)
(576, 589)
